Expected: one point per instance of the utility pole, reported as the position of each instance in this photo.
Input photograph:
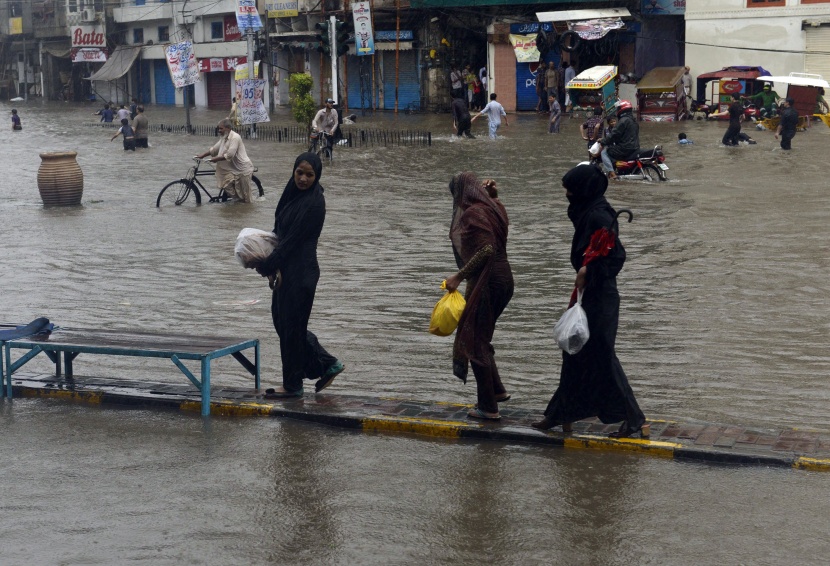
(249, 37)
(175, 29)
(335, 74)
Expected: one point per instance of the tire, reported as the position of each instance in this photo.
(325, 155)
(654, 172)
(569, 41)
(260, 192)
(178, 193)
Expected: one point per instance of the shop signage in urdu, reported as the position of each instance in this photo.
(181, 60)
(251, 107)
(403, 35)
(216, 64)
(88, 55)
(247, 16)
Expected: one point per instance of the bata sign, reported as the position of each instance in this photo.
(88, 36)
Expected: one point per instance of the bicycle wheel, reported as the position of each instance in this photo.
(325, 154)
(260, 192)
(177, 193)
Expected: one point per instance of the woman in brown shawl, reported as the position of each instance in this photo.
(479, 239)
(592, 382)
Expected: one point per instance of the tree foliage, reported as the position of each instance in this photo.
(302, 105)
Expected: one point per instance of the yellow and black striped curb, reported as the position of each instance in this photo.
(507, 430)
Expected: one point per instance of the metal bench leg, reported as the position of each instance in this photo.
(205, 387)
(5, 362)
(256, 355)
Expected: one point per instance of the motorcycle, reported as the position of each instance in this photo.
(643, 165)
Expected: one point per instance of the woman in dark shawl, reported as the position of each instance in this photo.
(479, 239)
(592, 382)
(298, 223)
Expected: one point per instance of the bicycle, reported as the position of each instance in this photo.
(177, 192)
(325, 151)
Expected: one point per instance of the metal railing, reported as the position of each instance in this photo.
(355, 137)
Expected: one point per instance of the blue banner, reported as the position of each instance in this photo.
(247, 16)
(664, 7)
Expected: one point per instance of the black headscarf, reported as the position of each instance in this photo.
(298, 221)
(291, 190)
(587, 185)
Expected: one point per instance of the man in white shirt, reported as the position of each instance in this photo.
(233, 168)
(494, 112)
(326, 122)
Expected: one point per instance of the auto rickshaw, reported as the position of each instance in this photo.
(593, 88)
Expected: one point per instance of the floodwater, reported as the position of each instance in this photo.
(724, 318)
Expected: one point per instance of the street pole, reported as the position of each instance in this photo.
(335, 76)
(249, 36)
(188, 128)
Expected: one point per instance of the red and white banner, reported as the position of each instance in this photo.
(221, 64)
(88, 55)
(232, 32)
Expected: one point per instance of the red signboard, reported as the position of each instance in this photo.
(731, 87)
(221, 64)
(232, 32)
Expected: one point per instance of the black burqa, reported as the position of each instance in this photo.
(298, 222)
(592, 382)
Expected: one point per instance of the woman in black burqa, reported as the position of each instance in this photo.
(592, 382)
(478, 233)
(298, 223)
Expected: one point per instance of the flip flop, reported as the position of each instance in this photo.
(272, 393)
(476, 413)
(335, 370)
(503, 398)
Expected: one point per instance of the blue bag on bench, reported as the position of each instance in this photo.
(37, 326)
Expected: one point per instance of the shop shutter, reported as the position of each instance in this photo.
(409, 87)
(526, 97)
(219, 90)
(165, 91)
(818, 45)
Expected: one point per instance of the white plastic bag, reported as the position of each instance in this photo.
(595, 149)
(571, 331)
(253, 246)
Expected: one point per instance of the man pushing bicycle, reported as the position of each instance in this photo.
(233, 168)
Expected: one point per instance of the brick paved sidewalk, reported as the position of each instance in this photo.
(698, 441)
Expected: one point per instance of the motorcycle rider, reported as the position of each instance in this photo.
(623, 141)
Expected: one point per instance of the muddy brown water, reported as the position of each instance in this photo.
(724, 318)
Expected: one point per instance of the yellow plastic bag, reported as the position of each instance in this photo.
(447, 313)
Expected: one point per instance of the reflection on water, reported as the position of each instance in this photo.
(723, 294)
(104, 486)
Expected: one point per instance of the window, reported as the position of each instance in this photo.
(138, 36)
(814, 1)
(164, 33)
(765, 3)
(217, 30)
(72, 6)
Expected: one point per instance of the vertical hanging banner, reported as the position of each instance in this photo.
(181, 60)
(251, 107)
(524, 46)
(364, 40)
(247, 16)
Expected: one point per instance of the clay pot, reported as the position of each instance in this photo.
(60, 179)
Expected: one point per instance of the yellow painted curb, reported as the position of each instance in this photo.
(83, 396)
(229, 410)
(812, 464)
(428, 427)
(640, 445)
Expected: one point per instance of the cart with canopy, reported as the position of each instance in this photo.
(660, 95)
(803, 88)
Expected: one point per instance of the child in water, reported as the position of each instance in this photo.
(682, 139)
(16, 126)
(129, 135)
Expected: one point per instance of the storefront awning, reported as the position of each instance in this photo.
(117, 65)
(59, 50)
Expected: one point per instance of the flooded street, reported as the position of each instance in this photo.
(724, 318)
